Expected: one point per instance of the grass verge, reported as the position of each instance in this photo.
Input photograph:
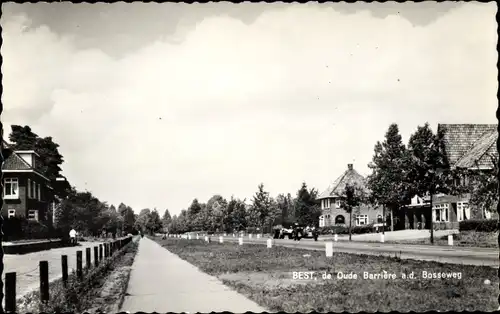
(463, 239)
(265, 276)
(101, 289)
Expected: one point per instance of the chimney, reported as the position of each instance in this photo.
(349, 166)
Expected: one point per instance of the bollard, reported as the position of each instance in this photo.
(221, 239)
(10, 292)
(234, 236)
(44, 281)
(88, 260)
(240, 241)
(189, 237)
(258, 236)
(79, 264)
(64, 266)
(250, 236)
(335, 237)
(329, 249)
(269, 243)
(96, 256)
(197, 237)
(450, 239)
(206, 239)
(382, 237)
(225, 234)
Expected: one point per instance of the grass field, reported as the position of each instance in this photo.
(265, 276)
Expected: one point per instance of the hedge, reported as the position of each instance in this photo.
(484, 225)
(23, 229)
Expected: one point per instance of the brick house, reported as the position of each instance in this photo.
(27, 191)
(331, 207)
(467, 146)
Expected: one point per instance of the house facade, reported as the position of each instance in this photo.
(467, 146)
(28, 193)
(331, 203)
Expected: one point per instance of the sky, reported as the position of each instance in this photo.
(154, 105)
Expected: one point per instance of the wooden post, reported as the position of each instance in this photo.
(100, 252)
(96, 256)
(10, 292)
(88, 260)
(64, 265)
(44, 281)
(79, 272)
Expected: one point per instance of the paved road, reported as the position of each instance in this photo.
(26, 265)
(162, 282)
(453, 255)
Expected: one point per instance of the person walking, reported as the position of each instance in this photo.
(72, 236)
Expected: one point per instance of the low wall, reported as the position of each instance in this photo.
(30, 247)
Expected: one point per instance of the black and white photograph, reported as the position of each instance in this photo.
(249, 157)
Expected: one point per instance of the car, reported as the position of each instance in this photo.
(305, 232)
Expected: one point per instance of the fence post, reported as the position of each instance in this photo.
(10, 292)
(64, 265)
(88, 260)
(100, 252)
(79, 264)
(96, 256)
(44, 281)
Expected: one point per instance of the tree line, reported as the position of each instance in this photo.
(398, 173)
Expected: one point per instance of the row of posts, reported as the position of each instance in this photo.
(102, 250)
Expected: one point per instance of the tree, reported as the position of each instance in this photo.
(128, 218)
(153, 224)
(24, 139)
(307, 210)
(237, 215)
(193, 213)
(388, 182)
(428, 168)
(166, 219)
(261, 209)
(142, 220)
(285, 208)
(352, 197)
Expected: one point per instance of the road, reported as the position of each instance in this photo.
(26, 266)
(452, 255)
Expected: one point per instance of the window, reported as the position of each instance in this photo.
(29, 188)
(379, 219)
(33, 189)
(361, 220)
(33, 214)
(12, 213)
(338, 203)
(463, 211)
(11, 188)
(440, 213)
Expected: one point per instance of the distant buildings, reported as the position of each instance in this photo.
(331, 205)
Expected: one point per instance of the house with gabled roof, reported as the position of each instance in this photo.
(28, 193)
(331, 203)
(467, 146)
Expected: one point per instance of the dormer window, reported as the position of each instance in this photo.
(338, 203)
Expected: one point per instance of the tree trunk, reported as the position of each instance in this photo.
(392, 219)
(350, 225)
(383, 220)
(432, 222)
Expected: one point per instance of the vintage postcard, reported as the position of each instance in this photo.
(249, 157)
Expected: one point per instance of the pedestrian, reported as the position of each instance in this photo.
(72, 236)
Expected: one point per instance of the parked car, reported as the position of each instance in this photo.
(305, 232)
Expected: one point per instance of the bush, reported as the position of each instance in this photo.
(18, 228)
(338, 229)
(484, 225)
(363, 229)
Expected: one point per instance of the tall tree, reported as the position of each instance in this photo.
(23, 138)
(128, 218)
(142, 220)
(388, 183)
(428, 168)
(153, 224)
(307, 210)
(262, 208)
(238, 214)
(193, 213)
(166, 219)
